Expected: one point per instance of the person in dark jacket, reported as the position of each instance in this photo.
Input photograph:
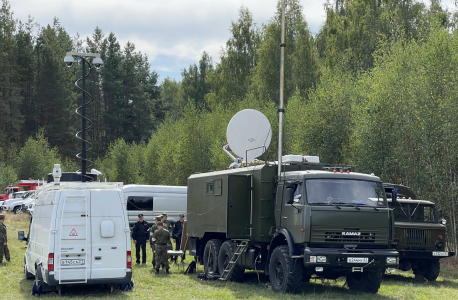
(140, 236)
(177, 232)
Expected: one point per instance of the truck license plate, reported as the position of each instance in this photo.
(440, 253)
(71, 262)
(357, 260)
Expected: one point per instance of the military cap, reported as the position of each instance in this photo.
(158, 218)
(164, 215)
(2, 217)
(159, 224)
(140, 215)
(181, 216)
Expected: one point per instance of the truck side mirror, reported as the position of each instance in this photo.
(290, 195)
(394, 196)
(440, 213)
(21, 237)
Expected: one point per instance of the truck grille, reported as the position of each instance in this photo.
(417, 237)
(336, 235)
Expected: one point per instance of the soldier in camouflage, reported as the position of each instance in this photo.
(3, 240)
(166, 223)
(153, 244)
(161, 237)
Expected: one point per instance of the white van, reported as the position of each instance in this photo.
(79, 234)
(153, 200)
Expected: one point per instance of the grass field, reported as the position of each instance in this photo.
(180, 286)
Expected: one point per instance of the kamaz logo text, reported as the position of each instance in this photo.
(351, 233)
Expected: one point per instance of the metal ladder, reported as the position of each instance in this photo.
(85, 212)
(241, 248)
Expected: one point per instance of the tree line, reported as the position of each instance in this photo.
(375, 87)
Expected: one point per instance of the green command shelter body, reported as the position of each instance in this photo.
(251, 204)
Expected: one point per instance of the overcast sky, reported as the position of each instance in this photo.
(173, 33)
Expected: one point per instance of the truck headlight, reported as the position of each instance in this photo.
(391, 260)
(321, 259)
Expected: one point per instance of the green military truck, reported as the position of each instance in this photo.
(316, 219)
(419, 234)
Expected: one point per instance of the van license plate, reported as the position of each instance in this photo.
(357, 260)
(440, 253)
(71, 262)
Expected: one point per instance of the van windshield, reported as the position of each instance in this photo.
(345, 192)
(414, 212)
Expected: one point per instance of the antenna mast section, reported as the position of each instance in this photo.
(281, 109)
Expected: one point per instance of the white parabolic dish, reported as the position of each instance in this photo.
(248, 134)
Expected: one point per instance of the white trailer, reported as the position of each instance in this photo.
(153, 200)
(79, 234)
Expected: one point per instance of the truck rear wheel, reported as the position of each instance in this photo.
(285, 272)
(211, 253)
(429, 269)
(367, 281)
(225, 255)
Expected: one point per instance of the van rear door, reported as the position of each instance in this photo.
(73, 236)
(109, 234)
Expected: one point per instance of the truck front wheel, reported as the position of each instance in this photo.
(367, 281)
(429, 269)
(225, 255)
(211, 253)
(285, 272)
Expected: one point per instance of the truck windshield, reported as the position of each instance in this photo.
(345, 192)
(414, 212)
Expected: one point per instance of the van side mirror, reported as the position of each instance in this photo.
(21, 237)
(394, 196)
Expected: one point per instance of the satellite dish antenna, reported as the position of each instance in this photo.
(249, 134)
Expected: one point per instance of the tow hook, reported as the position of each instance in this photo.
(357, 269)
(360, 269)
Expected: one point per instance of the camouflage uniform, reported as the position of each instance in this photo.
(3, 240)
(151, 242)
(162, 238)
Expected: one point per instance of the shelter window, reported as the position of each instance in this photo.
(139, 203)
(209, 188)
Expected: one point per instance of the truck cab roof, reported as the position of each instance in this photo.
(329, 174)
(402, 200)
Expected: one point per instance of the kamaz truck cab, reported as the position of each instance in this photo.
(316, 219)
(419, 234)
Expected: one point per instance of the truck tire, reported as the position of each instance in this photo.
(225, 255)
(429, 269)
(367, 281)
(285, 272)
(211, 253)
(27, 274)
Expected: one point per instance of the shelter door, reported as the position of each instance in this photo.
(238, 206)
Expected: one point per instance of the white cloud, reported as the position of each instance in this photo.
(173, 33)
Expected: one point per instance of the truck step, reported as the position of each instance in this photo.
(241, 248)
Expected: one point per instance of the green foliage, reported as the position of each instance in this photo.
(8, 176)
(123, 162)
(36, 159)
